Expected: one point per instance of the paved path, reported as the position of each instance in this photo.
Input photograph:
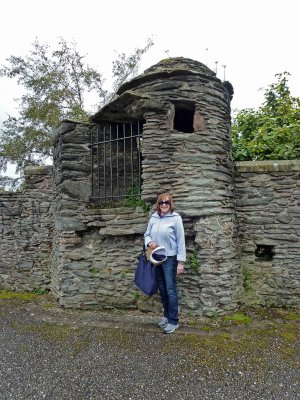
(50, 353)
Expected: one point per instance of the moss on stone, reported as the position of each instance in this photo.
(206, 328)
(116, 337)
(292, 316)
(221, 351)
(9, 295)
(238, 318)
(48, 305)
(48, 331)
(289, 336)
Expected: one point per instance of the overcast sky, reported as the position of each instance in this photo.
(254, 39)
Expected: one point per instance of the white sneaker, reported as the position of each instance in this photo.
(163, 323)
(171, 328)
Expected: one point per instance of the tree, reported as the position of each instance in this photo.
(57, 84)
(273, 131)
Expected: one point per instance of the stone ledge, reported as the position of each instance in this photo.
(268, 166)
(38, 170)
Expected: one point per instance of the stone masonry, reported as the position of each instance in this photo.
(241, 221)
(268, 209)
(27, 232)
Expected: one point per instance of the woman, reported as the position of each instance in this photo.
(165, 228)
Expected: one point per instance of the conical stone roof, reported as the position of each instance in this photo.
(169, 67)
(143, 91)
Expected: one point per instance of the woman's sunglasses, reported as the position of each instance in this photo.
(167, 202)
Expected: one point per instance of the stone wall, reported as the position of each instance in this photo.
(95, 249)
(268, 209)
(26, 231)
(241, 224)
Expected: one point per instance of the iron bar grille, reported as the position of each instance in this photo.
(116, 161)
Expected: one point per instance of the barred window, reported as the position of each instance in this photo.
(116, 161)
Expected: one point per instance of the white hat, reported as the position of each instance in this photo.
(158, 255)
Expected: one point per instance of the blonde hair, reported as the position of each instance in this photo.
(164, 196)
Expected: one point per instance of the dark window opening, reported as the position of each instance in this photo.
(116, 159)
(264, 252)
(184, 117)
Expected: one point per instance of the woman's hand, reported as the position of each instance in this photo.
(180, 268)
(152, 245)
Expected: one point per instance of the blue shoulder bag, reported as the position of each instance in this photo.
(145, 275)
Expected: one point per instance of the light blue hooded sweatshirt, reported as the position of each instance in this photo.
(167, 231)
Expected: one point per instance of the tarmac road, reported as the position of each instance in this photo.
(50, 353)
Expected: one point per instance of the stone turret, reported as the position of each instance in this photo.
(187, 152)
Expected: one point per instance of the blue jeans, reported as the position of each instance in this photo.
(166, 278)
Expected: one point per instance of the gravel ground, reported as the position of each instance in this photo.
(50, 353)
